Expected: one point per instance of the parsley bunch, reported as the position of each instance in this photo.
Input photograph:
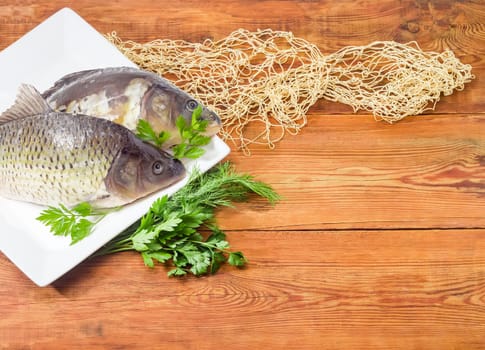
(191, 135)
(170, 231)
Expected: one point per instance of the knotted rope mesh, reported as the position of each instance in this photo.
(262, 83)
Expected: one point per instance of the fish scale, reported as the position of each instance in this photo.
(65, 169)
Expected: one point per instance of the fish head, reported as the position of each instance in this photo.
(163, 104)
(140, 169)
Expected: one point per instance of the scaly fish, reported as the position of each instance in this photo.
(49, 157)
(125, 95)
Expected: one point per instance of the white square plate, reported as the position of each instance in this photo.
(62, 44)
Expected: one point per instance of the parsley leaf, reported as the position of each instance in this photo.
(236, 259)
(74, 222)
(142, 238)
(145, 132)
(159, 256)
(176, 272)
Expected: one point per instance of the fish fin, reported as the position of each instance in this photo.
(91, 73)
(29, 102)
(66, 80)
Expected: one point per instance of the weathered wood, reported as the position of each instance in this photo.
(301, 290)
(379, 242)
(352, 172)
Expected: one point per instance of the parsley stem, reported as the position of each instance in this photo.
(209, 245)
(115, 247)
(111, 250)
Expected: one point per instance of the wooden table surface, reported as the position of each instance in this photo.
(379, 242)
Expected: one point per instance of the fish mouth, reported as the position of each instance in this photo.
(214, 122)
(212, 129)
(177, 170)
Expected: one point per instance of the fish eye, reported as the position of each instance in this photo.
(157, 167)
(191, 105)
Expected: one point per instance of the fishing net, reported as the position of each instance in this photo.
(263, 83)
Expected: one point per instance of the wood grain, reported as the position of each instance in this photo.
(379, 242)
(364, 289)
(345, 172)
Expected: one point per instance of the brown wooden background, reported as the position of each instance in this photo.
(379, 243)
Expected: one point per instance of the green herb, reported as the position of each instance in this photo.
(170, 231)
(74, 222)
(191, 134)
(145, 132)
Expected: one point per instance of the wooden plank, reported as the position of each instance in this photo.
(301, 290)
(352, 172)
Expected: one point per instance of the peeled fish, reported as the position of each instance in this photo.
(125, 95)
(49, 157)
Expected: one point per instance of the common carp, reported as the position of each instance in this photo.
(53, 158)
(125, 95)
